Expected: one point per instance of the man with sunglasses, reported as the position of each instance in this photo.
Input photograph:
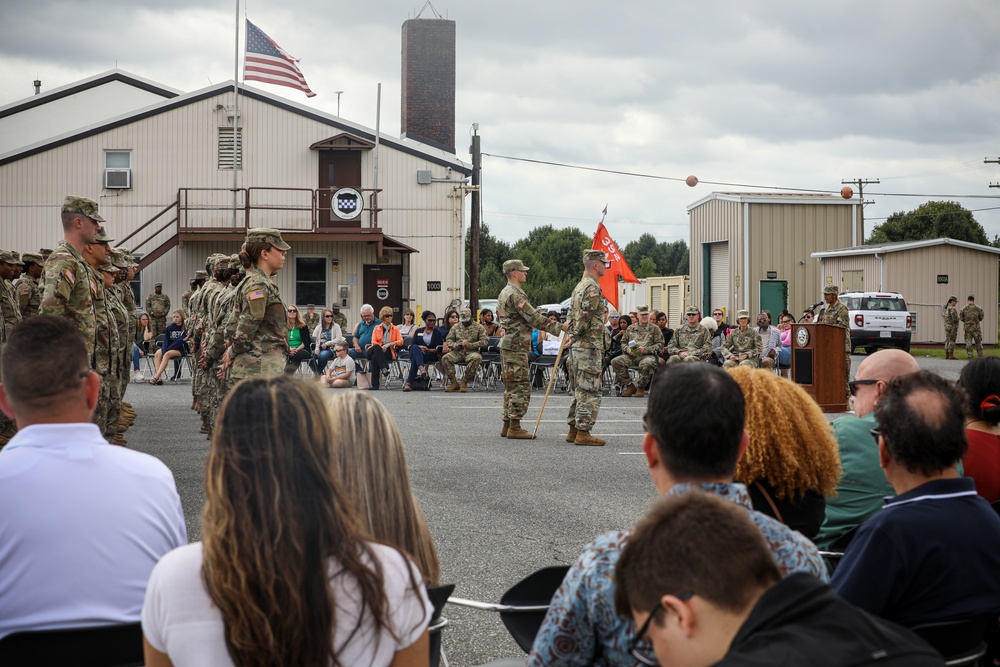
(694, 422)
(863, 488)
(723, 602)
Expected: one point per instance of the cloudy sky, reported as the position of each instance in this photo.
(781, 93)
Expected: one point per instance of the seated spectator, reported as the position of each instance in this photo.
(641, 344)
(724, 602)
(742, 346)
(486, 319)
(691, 342)
(785, 323)
(386, 341)
(719, 335)
(771, 338)
(363, 331)
(370, 462)
(299, 341)
(863, 488)
(91, 519)
(325, 336)
(140, 347)
(720, 319)
(808, 316)
(981, 381)
(174, 340)
(285, 574)
(619, 325)
(686, 402)
(409, 323)
(424, 349)
(932, 553)
(463, 344)
(666, 331)
(792, 463)
(341, 372)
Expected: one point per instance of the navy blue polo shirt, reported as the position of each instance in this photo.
(931, 554)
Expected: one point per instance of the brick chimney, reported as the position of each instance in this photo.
(428, 96)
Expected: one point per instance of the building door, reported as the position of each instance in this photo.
(383, 286)
(773, 298)
(716, 292)
(853, 281)
(337, 169)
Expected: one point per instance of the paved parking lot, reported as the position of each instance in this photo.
(499, 509)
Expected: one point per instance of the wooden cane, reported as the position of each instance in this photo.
(552, 379)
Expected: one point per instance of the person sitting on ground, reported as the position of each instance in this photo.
(792, 463)
(363, 331)
(91, 518)
(981, 381)
(386, 340)
(640, 344)
(464, 342)
(771, 338)
(140, 348)
(174, 340)
(932, 553)
(342, 371)
(863, 488)
(285, 573)
(742, 346)
(686, 401)
(370, 462)
(486, 319)
(722, 601)
(409, 326)
(691, 342)
(324, 338)
(299, 341)
(424, 349)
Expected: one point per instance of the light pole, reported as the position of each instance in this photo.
(338, 93)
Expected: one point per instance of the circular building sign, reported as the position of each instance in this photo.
(347, 203)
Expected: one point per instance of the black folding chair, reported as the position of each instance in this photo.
(961, 641)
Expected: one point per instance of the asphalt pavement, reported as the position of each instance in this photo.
(498, 509)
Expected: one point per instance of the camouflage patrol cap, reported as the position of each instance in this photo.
(465, 315)
(201, 275)
(117, 259)
(267, 235)
(831, 289)
(691, 311)
(953, 298)
(157, 284)
(88, 207)
(742, 314)
(972, 297)
(335, 308)
(107, 266)
(45, 252)
(594, 255)
(514, 265)
(30, 257)
(16, 256)
(642, 310)
(7, 257)
(102, 236)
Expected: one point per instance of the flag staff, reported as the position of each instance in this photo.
(237, 148)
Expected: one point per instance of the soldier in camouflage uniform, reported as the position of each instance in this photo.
(836, 313)
(691, 341)
(119, 321)
(158, 306)
(518, 318)
(225, 327)
(463, 343)
(950, 315)
(9, 308)
(106, 336)
(585, 326)
(204, 312)
(27, 287)
(126, 267)
(641, 342)
(971, 316)
(743, 345)
(339, 317)
(260, 343)
(311, 318)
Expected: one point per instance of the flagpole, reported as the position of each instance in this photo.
(237, 144)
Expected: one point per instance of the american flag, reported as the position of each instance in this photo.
(268, 62)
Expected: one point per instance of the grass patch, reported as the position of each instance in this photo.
(938, 352)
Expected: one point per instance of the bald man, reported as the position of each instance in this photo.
(862, 486)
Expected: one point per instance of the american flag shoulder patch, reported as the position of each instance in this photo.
(70, 276)
(522, 302)
(256, 294)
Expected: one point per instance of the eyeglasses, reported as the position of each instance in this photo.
(638, 647)
(854, 384)
(430, 320)
(716, 314)
(875, 434)
(328, 317)
(292, 310)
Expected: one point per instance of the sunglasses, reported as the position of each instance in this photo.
(875, 434)
(854, 384)
(716, 314)
(328, 317)
(638, 647)
(292, 310)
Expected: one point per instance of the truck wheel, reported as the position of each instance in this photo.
(871, 349)
(906, 346)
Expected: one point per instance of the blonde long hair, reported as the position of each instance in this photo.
(371, 464)
(791, 442)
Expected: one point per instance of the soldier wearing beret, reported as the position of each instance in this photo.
(518, 318)
(158, 306)
(585, 325)
(27, 287)
(463, 343)
(640, 343)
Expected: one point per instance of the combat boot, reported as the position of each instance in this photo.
(515, 432)
(571, 436)
(465, 386)
(505, 429)
(629, 391)
(639, 392)
(584, 439)
(453, 386)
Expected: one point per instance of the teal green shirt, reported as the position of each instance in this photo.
(294, 338)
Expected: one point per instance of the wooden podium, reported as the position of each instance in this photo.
(818, 364)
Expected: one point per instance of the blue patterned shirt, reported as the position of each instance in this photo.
(581, 626)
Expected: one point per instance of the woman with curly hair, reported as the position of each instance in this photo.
(792, 463)
(370, 462)
(286, 573)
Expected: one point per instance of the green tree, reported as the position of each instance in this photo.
(493, 252)
(670, 259)
(932, 220)
(645, 269)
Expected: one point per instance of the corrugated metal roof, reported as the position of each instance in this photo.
(772, 197)
(902, 245)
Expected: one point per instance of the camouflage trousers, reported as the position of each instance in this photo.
(676, 359)
(973, 339)
(114, 404)
(646, 363)
(585, 369)
(103, 404)
(751, 362)
(157, 325)
(472, 361)
(950, 336)
(516, 384)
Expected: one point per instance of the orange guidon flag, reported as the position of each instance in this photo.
(619, 267)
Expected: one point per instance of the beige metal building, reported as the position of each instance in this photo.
(925, 273)
(370, 220)
(752, 250)
(671, 295)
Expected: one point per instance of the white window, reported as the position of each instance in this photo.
(230, 152)
(118, 170)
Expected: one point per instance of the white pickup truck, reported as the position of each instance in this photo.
(878, 319)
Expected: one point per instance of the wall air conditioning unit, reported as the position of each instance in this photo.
(117, 179)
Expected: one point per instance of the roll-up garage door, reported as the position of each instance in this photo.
(719, 277)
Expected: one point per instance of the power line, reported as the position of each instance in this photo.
(928, 215)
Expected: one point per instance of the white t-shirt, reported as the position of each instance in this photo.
(341, 365)
(179, 619)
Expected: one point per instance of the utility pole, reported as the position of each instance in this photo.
(861, 183)
(477, 164)
(986, 160)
